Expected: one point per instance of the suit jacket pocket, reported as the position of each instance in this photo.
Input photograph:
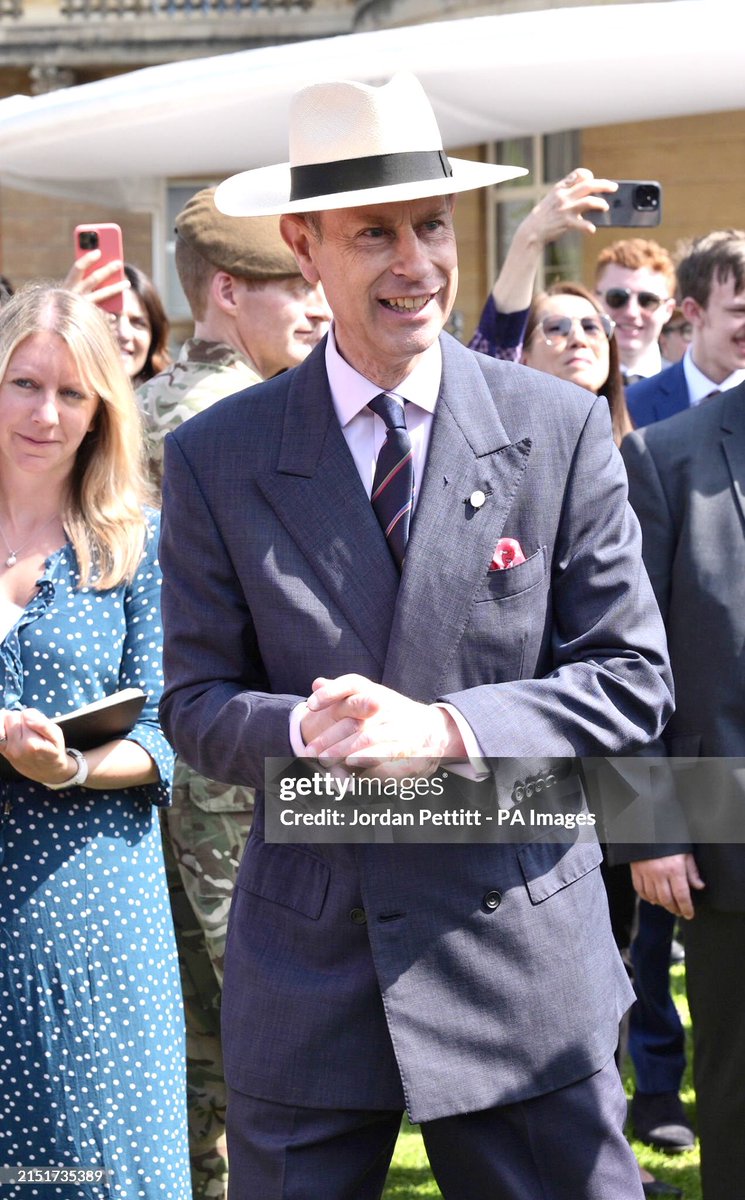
(549, 866)
(499, 585)
(284, 875)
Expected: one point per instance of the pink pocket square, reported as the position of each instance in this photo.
(507, 553)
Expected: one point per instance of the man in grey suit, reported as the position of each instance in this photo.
(475, 985)
(687, 483)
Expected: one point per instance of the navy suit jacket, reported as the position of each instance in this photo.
(276, 571)
(658, 397)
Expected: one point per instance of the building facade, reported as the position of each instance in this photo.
(45, 44)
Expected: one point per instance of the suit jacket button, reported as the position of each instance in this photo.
(358, 916)
(492, 900)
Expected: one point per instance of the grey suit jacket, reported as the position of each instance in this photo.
(687, 485)
(276, 571)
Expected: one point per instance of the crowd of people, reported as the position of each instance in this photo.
(484, 988)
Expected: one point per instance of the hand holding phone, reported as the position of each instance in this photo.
(98, 270)
(636, 204)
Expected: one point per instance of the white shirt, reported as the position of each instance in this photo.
(364, 433)
(700, 386)
(648, 365)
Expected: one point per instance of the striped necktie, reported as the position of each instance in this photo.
(393, 485)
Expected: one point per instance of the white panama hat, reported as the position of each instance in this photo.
(352, 144)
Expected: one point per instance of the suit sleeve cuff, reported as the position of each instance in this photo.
(476, 768)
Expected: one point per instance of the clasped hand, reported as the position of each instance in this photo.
(368, 727)
(34, 745)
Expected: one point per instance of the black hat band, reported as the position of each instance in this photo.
(373, 171)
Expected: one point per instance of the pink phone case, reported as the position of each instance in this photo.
(108, 239)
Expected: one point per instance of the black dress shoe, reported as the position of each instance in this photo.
(658, 1187)
(659, 1120)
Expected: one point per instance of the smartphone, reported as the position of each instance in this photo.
(107, 239)
(636, 204)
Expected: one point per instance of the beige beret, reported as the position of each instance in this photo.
(251, 247)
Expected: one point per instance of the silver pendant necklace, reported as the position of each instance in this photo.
(12, 558)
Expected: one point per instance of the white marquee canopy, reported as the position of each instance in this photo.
(489, 78)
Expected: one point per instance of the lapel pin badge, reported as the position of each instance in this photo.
(477, 499)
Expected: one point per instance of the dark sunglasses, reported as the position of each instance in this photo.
(619, 297)
(558, 329)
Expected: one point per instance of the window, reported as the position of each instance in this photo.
(547, 157)
(175, 301)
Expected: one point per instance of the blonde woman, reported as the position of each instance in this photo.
(91, 1035)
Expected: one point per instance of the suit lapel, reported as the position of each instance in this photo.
(673, 392)
(317, 494)
(451, 542)
(733, 441)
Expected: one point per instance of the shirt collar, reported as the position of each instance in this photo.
(352, 392)
(700, 386)
(649, 364)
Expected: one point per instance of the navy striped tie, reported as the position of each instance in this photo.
(393, 485)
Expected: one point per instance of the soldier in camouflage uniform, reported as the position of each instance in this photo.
(254, 316)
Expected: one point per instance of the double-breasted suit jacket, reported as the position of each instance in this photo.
(277, 572)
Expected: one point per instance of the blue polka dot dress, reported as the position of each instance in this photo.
(92, 1063)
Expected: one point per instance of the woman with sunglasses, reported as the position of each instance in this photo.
(567, 334)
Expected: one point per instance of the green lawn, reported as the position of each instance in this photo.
(410, 1178)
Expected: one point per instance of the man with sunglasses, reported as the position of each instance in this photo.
(711, 286)
(635, 280)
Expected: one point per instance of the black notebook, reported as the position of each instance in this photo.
(93, 724)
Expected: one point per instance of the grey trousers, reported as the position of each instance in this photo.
(567, 1145)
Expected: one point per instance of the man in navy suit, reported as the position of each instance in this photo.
(711, 285)
(506, 624)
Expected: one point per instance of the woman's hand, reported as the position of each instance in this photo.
(568, 206)
(35, 746)
(94, 286)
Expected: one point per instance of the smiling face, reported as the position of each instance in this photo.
(718, 346)
(279, 321)
(133, 333)
(637, 325)
(582, 355)
(390, 275)
(45, 408)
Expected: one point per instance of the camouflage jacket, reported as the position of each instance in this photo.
(203, 373)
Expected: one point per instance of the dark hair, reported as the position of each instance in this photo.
(158, 356)
(612, 386)
(716, 255)
(6, 289)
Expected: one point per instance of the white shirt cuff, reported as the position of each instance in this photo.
(477, 767)
(296, 738)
